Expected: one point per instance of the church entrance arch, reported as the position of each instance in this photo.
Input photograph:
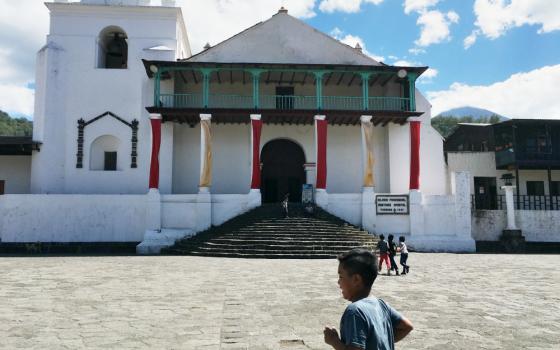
(282, 171)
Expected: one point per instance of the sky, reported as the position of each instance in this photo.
(501, 55)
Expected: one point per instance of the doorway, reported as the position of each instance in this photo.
(485, 193)
(282, 171)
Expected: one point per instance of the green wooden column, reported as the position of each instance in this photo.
(412, 90)
(205, 86)
(319, 88)
(365, 89)
(256, 73)
(157, 83)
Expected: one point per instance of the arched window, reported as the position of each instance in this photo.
(112, 48)
(104, 153)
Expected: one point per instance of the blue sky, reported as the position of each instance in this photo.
(502, 55)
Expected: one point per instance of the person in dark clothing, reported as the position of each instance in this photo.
(384, 254)
(392, 253)
(285, 205)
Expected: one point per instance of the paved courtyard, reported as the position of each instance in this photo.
(454, 301)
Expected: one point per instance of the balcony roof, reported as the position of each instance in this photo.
(178, 65)
(17, 145)
(191, 116)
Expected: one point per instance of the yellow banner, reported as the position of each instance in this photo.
(369, 180)
(206, 174)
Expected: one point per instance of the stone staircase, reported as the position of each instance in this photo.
(264, 233)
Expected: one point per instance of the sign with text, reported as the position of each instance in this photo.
(307, 193)
(395, 204)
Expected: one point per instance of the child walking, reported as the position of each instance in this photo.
(404, 255)
(384, 254)
(367, 323)
(393, 253)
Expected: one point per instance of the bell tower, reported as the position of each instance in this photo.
(92, 90)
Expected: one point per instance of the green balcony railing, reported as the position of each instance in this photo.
(389, 104)
(284, 102)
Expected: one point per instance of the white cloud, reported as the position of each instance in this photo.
(348, 6)
(523, 95)
(16, 99)
(352, 40)
(470, 40)
(418, 5)
(428, 76)
(416, 50)
(495, 17)
(435, 27)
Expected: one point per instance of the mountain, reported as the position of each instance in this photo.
(474, 112)
(14, 126)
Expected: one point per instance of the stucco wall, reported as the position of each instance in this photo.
(72, 218)
(231, 156)
(483, 164)
(536, 225)
(16, 172)
(70, 87)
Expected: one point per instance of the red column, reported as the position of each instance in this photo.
(256, 126)
(155, 120)
(414, 155)
(321, 144)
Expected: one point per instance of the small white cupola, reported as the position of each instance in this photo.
(358, 47)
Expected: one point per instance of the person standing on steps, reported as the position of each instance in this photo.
(393, 253)
(285, 205)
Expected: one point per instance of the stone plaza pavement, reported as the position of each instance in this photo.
(125, 302)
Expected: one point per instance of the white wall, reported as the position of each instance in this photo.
(536, 225)
(15, 171)
(483, 164)
(72, 218)
(70, 87)
(231, 156)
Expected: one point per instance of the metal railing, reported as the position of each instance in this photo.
(520, 202)
(283, 102)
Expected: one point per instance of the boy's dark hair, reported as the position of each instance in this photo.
(391, 237)
(362, 262)
(381, 237)
(401, 239)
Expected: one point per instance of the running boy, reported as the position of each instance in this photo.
(367, 323)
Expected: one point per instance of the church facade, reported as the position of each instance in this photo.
(141, 141)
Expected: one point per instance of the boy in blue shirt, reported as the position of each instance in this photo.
(367, 323)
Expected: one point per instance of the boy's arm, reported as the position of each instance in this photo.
(332, 338)
(403, 328)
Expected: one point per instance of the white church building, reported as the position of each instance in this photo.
(139, 140)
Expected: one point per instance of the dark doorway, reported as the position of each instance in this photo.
(485, 193)
(2, 182)
(284, 97)
(282, 171)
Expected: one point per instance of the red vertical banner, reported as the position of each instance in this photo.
(321, 132)
(156, 141)
(414, 155)
(256, 126)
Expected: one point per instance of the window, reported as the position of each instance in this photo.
(112, 49)
(110, 161)
(103, 153)
(2, 183)
(535, 188)
(555, 188)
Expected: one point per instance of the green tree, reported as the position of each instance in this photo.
(14, 126)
